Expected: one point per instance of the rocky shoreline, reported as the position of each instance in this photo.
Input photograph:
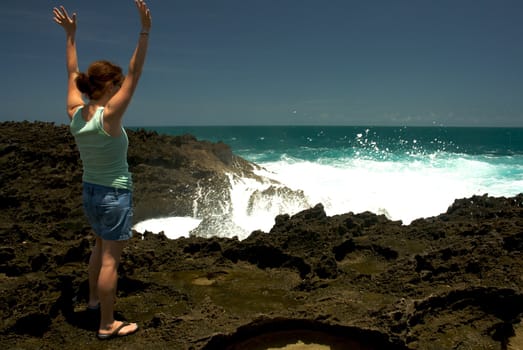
(356, 281)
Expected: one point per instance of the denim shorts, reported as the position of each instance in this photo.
(109, 211)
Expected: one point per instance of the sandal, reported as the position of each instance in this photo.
(116, 332)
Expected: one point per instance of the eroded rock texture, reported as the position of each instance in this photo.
(351, 281)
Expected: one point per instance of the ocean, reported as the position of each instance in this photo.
(404, 173)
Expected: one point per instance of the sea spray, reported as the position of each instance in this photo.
(402, 173)
(257, 203)
(253, 205)
(401, 190)
(172, 227)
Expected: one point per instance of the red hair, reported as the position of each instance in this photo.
(99, 75)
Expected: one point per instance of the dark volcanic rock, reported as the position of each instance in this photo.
(180, 173)
(348, 281)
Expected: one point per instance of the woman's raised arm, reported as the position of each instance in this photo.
(117, 105)
(74, 96)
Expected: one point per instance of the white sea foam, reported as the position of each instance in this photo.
(404, 189)
(400, 190)
(259, 214)
(172, 227)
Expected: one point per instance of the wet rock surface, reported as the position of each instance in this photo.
(453, 281)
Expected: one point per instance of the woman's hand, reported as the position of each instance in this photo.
(74, 97)
(145, 15)
(62, 18)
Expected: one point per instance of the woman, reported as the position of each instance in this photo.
(102, 142)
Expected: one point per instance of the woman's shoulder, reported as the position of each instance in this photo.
(76, 111)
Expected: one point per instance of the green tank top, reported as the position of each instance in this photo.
(104, 158)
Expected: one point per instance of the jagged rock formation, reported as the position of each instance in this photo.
(359, 280)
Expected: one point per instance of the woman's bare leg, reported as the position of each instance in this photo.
(107, 280)
(95, 263)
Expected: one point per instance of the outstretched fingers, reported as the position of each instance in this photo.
(142, 6)
(61, 15)
(145, 13)
(62, 18)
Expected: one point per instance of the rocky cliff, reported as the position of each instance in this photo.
(357, 281)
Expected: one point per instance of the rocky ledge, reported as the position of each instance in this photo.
(357, 281)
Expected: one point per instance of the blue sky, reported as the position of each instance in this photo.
(271, 62)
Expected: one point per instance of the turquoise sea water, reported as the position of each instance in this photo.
(402, 172)
(346, 140)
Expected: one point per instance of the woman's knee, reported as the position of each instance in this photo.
(112, 251)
